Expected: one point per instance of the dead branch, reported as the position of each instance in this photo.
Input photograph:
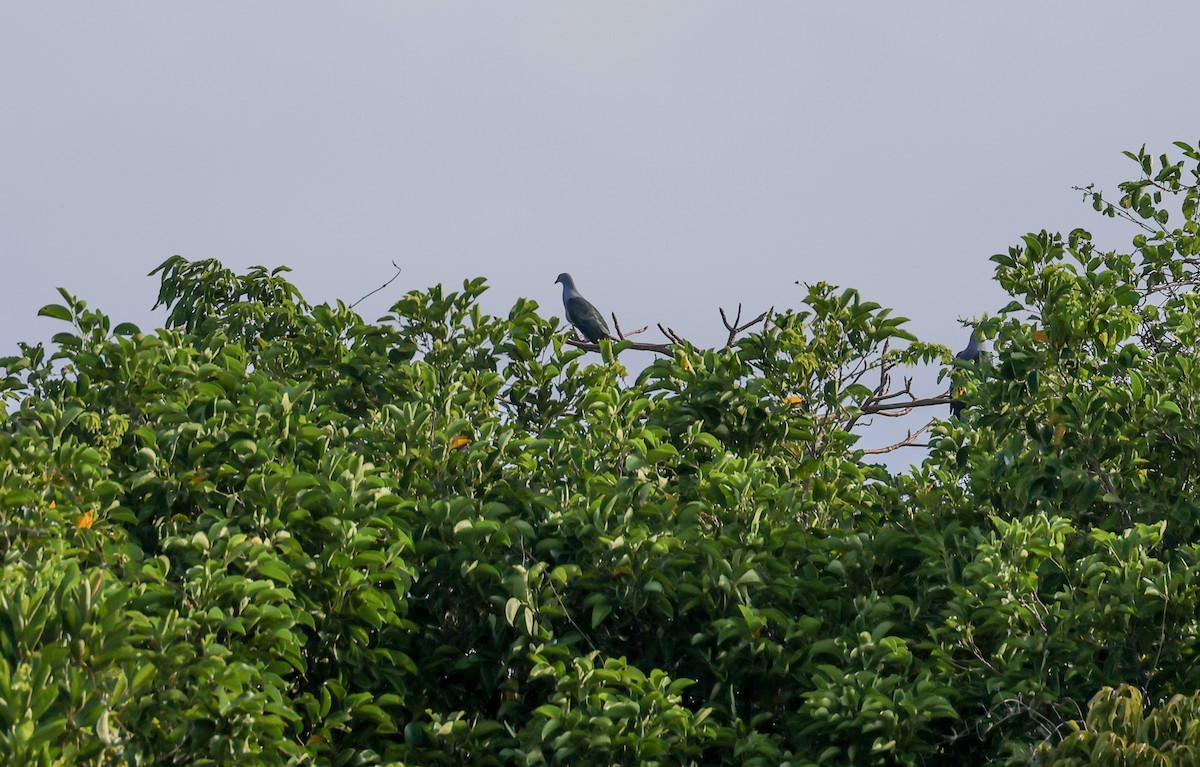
(909, 441)
(673, 337)
(941, 399)
(381, 287)
(671, 334)
(735, 328)
(882, 402)
(579, 343)
(664, 349)
(622, 334)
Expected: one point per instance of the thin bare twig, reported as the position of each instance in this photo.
(671, 334)
(909, 441)
(381, 287)
(622, 334)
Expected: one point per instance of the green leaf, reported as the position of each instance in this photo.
(274, 571)
(57, 311)
(511, 607)
(599, 612)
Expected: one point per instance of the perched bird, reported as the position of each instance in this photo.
(973, 353)
(581, 313)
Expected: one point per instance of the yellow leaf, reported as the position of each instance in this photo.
(793, 400)
(53, 505)
(622, 570)
(86, 521)
(458, 442)
(1040, 335)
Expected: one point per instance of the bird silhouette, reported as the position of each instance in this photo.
(973, 353)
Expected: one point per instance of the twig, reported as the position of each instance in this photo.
(1116, 209)
(622, 335)
(381, 287)
(909, 441)
(673, 337)
(735, 328)
(671, 334)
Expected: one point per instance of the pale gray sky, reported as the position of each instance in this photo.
(673, 156)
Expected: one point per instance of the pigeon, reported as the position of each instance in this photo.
(581, 313)
(973, 353)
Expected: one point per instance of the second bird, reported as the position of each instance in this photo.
(973, 353)
(581, 313)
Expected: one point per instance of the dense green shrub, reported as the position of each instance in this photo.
(275, 533)
(1119, 731)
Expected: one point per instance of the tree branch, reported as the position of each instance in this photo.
(735, 328)
(664, 349)
(622, 334)
(673, 337)
(880, 400)
(381, 287)
(941, 399)
(580, 343)
(1088, 191)
(909, 441)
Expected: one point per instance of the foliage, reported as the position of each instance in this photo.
(275, 533)
(1119, 731)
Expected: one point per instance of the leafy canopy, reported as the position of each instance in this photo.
(275, 533)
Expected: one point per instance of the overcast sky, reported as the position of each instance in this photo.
(673, 156)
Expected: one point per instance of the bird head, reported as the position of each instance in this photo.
(565, 279)
(973, 343)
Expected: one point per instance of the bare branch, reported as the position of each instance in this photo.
(880, 401)
(671, 334)
(941, 399)
(622, 335)
(579, 343)
(673, 337)
(909, 441)
(725, 320)
(381, 287)
(881, 394)
(734, 328)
